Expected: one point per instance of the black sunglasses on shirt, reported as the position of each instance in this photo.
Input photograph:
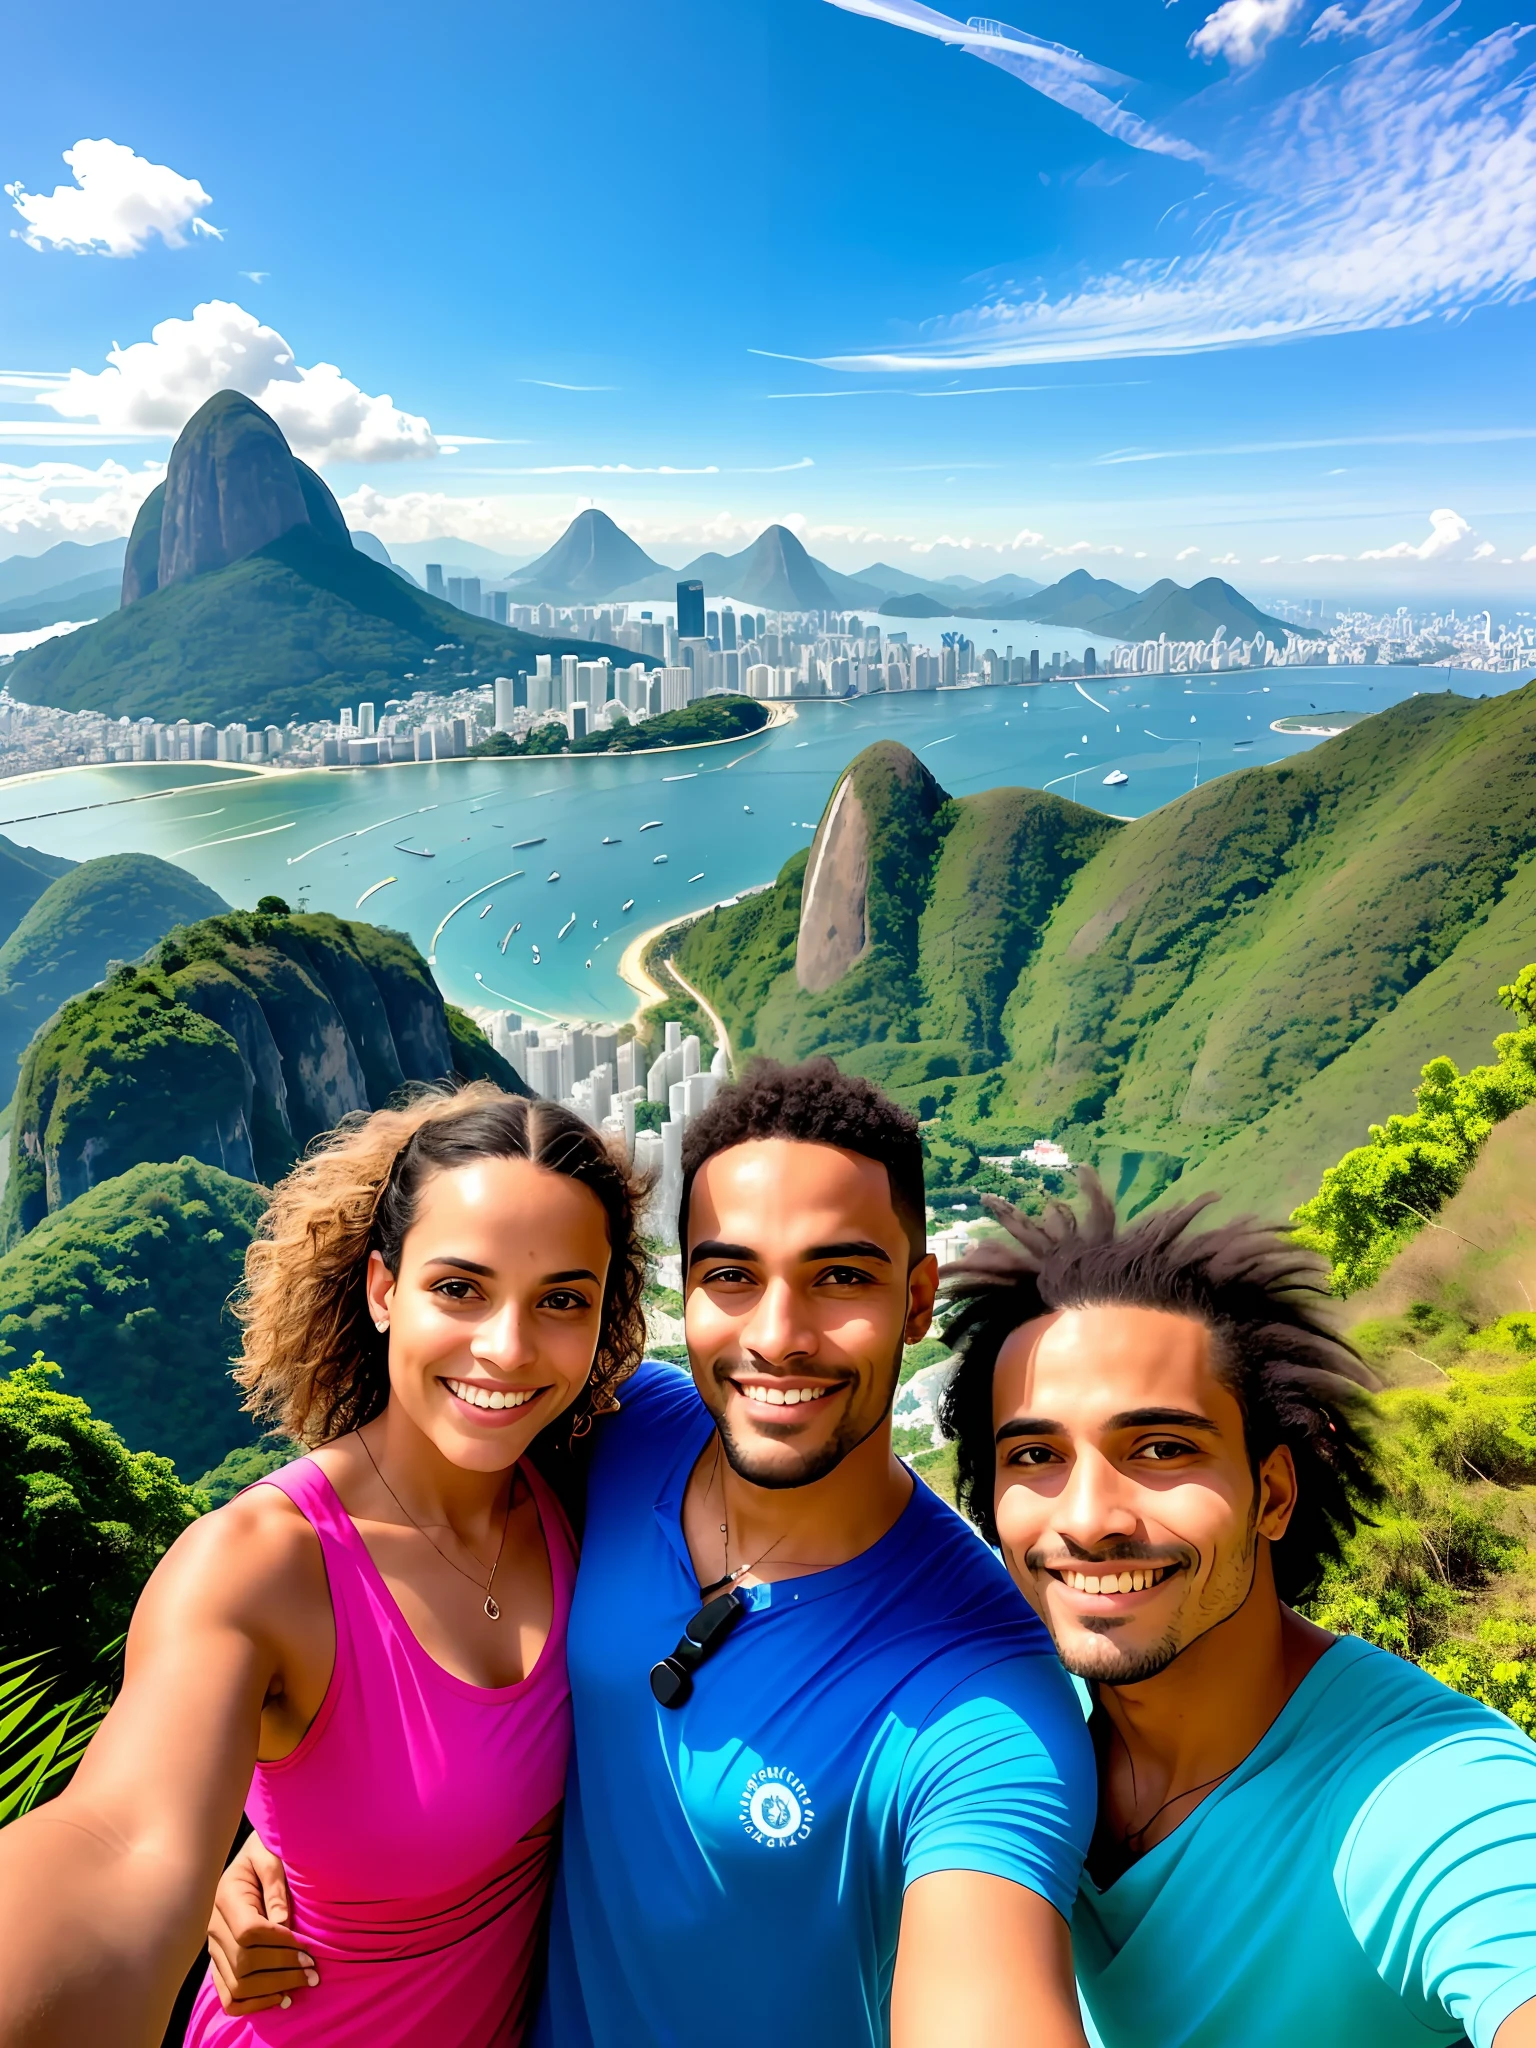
(672, 1678)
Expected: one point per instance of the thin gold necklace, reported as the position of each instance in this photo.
(725, 1531)
(492, 1607)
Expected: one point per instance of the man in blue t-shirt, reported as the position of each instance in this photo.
(831, 1787)
(858, 1812)
(1300, 1839)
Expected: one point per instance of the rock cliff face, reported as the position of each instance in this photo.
(833, 926)
(239, 1040)
(232, 487)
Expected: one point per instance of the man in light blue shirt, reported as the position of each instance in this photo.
(1302, 1841)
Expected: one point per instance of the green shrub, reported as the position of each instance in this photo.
(83, 1521)
(1498, 1666)
(1381, 1194)
(243, 1466)
(42, 1737)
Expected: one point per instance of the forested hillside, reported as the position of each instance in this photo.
(242, 1038)
(1229, 987)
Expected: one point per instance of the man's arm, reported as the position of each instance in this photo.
(104, 1892)
(983, 1959)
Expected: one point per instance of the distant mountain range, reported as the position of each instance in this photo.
(68, 561)
(244, 597)
(1092, 604)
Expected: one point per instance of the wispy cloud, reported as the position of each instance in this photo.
(654, 469)
(1427, 437)
(1060, 73)
(1397, 188)
(549, 384)
(116, 205)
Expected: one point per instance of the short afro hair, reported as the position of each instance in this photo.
(1259, 1293)
(813, 1104)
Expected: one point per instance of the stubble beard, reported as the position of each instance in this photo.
(776, 1477)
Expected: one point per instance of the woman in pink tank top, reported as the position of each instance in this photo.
(367, 1648)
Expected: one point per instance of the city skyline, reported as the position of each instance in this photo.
(1060, 306)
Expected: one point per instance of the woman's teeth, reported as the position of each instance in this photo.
(1116, 1582)
(485, 1397)
(783, 1397)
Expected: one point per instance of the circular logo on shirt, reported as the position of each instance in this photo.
(776, 1809)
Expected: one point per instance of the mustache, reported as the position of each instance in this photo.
(1041, 1560)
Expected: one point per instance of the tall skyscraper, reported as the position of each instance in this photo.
(498, 606)
(456, 591)
(690, 611)
(470, 600)
(435, 580)
(727, 629)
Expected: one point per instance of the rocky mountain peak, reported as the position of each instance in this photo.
(233, 485)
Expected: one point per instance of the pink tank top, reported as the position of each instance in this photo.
(403, 1819)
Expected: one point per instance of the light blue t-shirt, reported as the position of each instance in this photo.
(733, 1870)
(1366, 1878)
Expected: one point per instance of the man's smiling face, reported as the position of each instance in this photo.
(1127, 1509)
(800, 1294)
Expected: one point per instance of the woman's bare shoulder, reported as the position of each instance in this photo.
(252, 1559)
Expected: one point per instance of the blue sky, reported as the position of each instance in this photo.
(1156, 289)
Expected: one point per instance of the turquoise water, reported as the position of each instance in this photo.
(729, 815)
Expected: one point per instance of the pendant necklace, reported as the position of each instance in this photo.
(492, 1607)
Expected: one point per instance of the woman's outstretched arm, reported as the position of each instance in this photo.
(105, 1891)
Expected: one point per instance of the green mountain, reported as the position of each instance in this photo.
(1224, 991)
(114, 908)
(775, 571)
(125, 1287)
(246, 1036)
(916, 604)
(244, 598)
(24, 875)
(286, 633)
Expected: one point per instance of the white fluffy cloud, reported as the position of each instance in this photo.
(161, 382)
(1397, 188)
(68, 501)
(116, 204)
(1186, 554)
(1240, 29)
(1447, 531)
(1226, 561)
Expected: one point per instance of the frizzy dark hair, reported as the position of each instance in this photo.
(1261, 1295)
(815, 1104)
(312, 1361)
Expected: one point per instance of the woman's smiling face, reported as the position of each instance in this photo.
(494, 1315)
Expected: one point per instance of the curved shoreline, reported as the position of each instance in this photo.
(632, 969)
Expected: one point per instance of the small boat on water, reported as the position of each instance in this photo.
(627, 906)
(589, 963)
(652, 826)
(518, 844)
(566, 926)
(516, 928)
(1116, 779)
(554, 874)
(535, 956)
(659, 860)
(748, 809)
(487, 910)
(421, 852)
(698, 877)
(612, 842)
(1242, 743)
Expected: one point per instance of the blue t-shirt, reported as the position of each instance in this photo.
(1366, 1878)
(733, 1870)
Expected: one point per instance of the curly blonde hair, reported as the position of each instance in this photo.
(312, 1362)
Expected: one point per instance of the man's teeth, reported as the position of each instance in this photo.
(485, 1397)
(783, 1397)
(1116, 1582)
